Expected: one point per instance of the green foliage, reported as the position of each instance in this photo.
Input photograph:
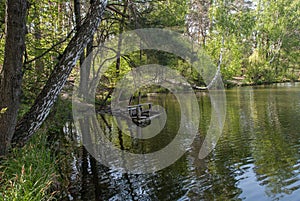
(266, 32)
(48, 24)
(169, 13)
(28, 173)
(269, 29)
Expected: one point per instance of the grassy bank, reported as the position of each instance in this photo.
(29, 173)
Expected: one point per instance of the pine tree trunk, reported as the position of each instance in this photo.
(11, 77)
(33, 119)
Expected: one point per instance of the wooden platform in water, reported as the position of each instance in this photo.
(140, 114)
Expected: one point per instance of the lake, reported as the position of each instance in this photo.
(256, 158)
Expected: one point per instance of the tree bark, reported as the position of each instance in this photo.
(33, 119)
(121, 29)
(77, 13)
(11, 77)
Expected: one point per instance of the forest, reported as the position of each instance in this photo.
(44, 45)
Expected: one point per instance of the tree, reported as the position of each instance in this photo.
(11, 76)
(34, 118)
(198, 22)
(49, 29)
(84, 70)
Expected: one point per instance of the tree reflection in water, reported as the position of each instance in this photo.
(256, 158)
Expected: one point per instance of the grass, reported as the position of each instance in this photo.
(29, 173)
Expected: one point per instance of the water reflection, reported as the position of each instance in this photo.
(257, 158)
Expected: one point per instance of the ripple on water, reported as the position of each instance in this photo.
(257, 157)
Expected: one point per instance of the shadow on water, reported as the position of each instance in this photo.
(257, 157)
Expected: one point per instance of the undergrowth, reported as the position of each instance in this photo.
(29, 173)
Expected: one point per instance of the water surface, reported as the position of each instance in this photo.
(257, 157)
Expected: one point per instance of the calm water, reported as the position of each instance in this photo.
(257, 157)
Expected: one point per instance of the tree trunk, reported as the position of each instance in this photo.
(121, 29)
(11, 77)
(33, 119)
(84, 70)
(77, 13)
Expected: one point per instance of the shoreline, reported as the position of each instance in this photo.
(229, 84)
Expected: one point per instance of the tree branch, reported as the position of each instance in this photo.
(50, 49)
(112, 8)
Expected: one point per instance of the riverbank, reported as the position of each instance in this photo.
(30, 173)
(241, 82)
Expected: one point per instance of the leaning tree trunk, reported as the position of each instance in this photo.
(33, 119)
(11, 77)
